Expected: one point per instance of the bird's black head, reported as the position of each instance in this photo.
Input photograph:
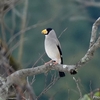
(49, 29)
(46, 31)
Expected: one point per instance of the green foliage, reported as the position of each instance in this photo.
(85, 97)
(92, 96)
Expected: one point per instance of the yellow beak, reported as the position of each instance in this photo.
(44, 31)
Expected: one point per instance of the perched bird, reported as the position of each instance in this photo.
(53, 47)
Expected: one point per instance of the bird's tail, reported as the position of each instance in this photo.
(61, 74)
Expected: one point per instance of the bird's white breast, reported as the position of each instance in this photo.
(52, 50)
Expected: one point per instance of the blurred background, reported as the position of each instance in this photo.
(72, 20)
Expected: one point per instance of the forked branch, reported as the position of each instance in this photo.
(18, 75)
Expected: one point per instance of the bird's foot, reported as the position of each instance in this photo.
(48, 62)
(51, 61)
(54, 62)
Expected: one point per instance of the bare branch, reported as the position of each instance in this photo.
(94, 30)
(77, 84)
(94, 44)
(55, 79)
(24, 17)
(27, 29)
(19, 75)
(89, 3)
(5, 5)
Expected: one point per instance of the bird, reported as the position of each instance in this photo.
(53, 47)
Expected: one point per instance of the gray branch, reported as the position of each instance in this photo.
(5, 5)
(19, 75)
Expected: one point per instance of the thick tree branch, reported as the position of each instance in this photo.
(17, 76)
(94, 44)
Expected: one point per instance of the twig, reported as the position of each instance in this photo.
(27, 29)
(77, 84)
(2, 28)
(89, 3)
(23, 27)
(38, 59)
(48, 87)
(62, 32)
(90, 86)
